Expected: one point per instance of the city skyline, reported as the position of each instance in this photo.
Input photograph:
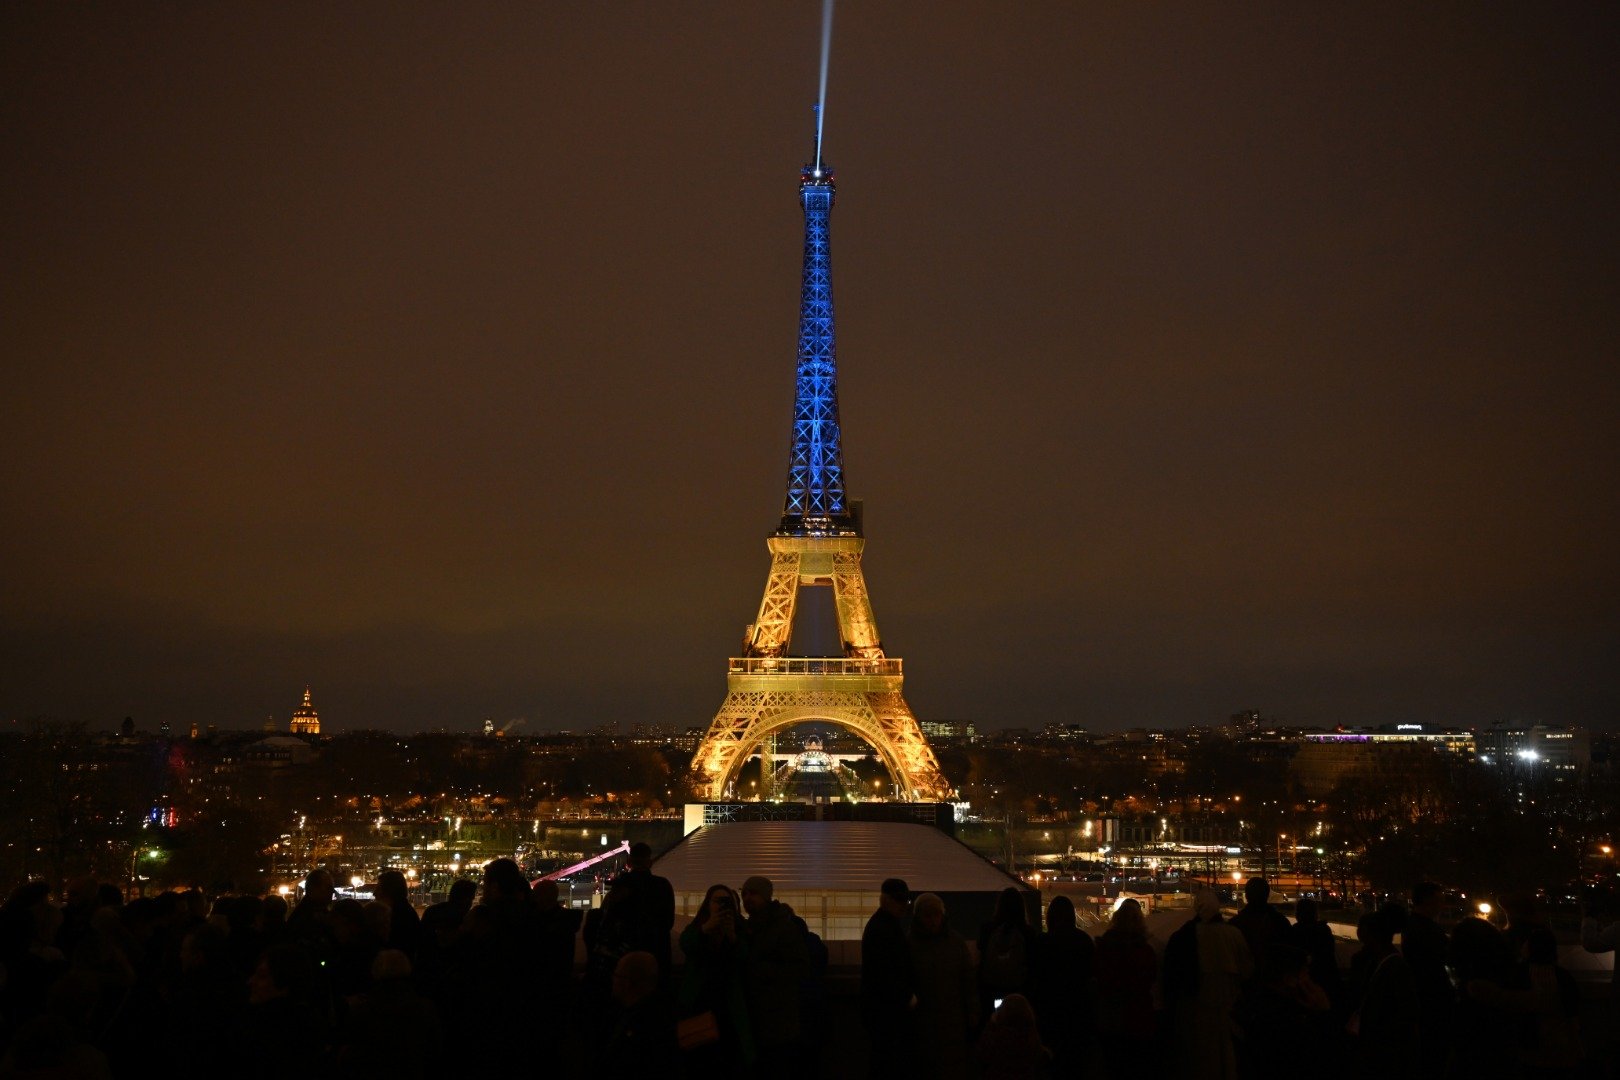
(443, 361)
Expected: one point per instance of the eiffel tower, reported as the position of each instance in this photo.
(818, 545)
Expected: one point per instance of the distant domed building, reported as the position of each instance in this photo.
(305, 720)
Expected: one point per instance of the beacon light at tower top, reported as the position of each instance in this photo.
(826, 51)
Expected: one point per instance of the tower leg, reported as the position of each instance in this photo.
(856, 624)
(774, 626)
(767, 767)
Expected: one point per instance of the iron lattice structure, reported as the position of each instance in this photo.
(819, 544)
(815, 503)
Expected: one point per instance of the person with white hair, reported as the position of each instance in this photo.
(1215, 961)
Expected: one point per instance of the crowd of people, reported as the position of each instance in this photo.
(246, 986)
(1254, 996)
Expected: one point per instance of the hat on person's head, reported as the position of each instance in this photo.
(896, 888)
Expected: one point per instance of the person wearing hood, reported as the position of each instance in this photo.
(1219, 962)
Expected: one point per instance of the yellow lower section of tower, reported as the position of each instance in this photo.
(868, 705)
(768, 690)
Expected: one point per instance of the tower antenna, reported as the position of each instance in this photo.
(821, 98)
(816, 108)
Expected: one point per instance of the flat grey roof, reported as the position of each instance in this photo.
(852, 856)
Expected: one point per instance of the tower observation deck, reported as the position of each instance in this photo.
(818, 544)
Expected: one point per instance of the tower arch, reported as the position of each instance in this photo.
(855, 720)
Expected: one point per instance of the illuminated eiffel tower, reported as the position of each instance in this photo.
(818, 544)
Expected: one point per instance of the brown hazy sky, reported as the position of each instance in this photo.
(441, 356)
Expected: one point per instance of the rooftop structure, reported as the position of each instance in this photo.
(1461, 742)
(305, 720)
(829, 871)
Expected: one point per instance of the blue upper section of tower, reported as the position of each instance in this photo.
(816, 504)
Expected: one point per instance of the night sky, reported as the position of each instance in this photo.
(441, 356)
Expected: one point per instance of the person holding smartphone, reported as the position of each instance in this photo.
(713, 1000)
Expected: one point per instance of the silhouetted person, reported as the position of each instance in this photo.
(650, 909)
(1126, 970)
(887, 981)
(1600, 933)
(607, 935)
(1424, 946)
(1261, 925)
(1010, 1048)
(1007, 946)
(355, 944)
(404, 924)
(271, 921)
(1284, 1016)
(1543, 1007)
(80, 903)
(445, 917)
(281, 1032)
(393, 1031)
(243, 943)
(440, 923)
(1314, 938)
(1202, 1014)
(1180, 976)
(499, 950)
(813, 1017)
(643, 1040)
(776, 963)
(1062, 987)
(308, 917)
(54, 1043)
(1524, 916)
(1552, 1004)
(1482, 1044)
(28, 953)
(557, 927)
(210, 993)
(714, 983)
(1385, 1022)
(947, 997)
